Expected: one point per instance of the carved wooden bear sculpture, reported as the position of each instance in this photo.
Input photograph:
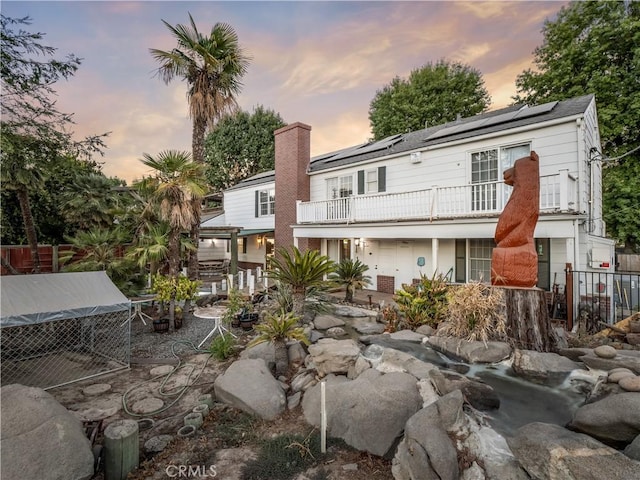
(514, 261)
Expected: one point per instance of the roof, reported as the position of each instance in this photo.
(259, 179)
(484, 123)
(29, 299)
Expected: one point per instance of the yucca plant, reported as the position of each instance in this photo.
(424, 302)
(302, 272)
(475, 312)
(277, 329)
(350, 273)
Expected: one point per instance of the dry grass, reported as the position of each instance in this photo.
(475, 312)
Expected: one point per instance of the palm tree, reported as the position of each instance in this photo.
(178, 183)
(277, 329)
(303, 272)
(351, 274)
(212, 66)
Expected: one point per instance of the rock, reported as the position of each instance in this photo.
(249, 386)
(350, 467)
(353, 312)
(426, 330)
(94, 414)
(334, 356)
(315, 336)
(368, 328)
(541, 367)
(407, 336)
(40, 438)
(630, 384)
(552, 452)
(360, 366)
(471, 351)
(303, 380)
(368, 413)
(265, 351)
(336, 332)
(325, 322)
(613, 419)
(147, 405)
(157, 444)
(574, 353)
(427, 392)
(624, 359)
(618, 370)
(294, 400)
(605, 351)
(633, 449)
(478, 394)
(617, 376)
(161, 370)
(97, 389)
(633, 338)
(396, 361)
(296, 353)
(373, 352)
(427, 451)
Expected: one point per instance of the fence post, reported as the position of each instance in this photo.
(568, 294)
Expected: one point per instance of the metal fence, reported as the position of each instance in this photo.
(55, 353)
(604, 296)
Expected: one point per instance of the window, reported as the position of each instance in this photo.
(486, 172)
(543, 246)
(480, 251)
(267, 202)
(242, 245)
(461, 261)
(371, 185)
(340, 187)
(372, 181)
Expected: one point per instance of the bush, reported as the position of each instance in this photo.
(424, 302)
(476, 313)
(223, 347)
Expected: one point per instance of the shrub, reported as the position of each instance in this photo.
(223, 347)
(424, 302)
(475, 313)
(350, 273)
(391, 318)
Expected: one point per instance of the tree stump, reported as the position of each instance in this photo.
(528, 323)
(122, 454)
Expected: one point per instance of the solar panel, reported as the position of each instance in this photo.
(368, 148)
(537, 110)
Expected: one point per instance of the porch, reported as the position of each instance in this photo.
(558, 193)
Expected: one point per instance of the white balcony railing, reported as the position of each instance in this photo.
(557, 193)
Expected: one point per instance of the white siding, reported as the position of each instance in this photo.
(239, 208)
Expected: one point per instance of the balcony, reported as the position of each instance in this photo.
(557, 194)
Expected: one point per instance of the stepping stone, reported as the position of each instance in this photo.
(147, 405)
(630, 384)
(96, 389)
(605, 351)
(161, 370)
(157, 444)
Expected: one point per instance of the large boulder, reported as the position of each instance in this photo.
(624, 359)
(40, 438)
(549, 451)
(396, 361)
(543, 368)
(368, 413)
(249, 386)
(614, 419)
(471, 351)
(325, 322)
(265, 351)
(479, 395)
(333, 356)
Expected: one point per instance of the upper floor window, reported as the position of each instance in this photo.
(340, 187)
(372, 181)
(265, 202)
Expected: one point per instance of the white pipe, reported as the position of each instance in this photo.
(323, 418)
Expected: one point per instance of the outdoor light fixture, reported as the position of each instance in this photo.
(260, 240)
(356, 242)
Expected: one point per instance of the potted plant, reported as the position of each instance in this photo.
(235, 304)
(161, 324)
(180, 289)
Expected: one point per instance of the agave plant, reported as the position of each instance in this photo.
(277, 329)
(351, 274)
(302, 272)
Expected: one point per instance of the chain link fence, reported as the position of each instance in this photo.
(55, 353)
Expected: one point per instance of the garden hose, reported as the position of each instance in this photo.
(179, 392)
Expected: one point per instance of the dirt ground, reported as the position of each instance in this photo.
(231, 445)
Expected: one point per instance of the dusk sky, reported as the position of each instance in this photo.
(319, 63)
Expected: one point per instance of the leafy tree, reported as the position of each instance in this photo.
(594, 47)
(91, 201)
(303, 272)
(240, 146)
(433, 94)
(212, 66)
(350, 273)
(179, 182)
(33, 131)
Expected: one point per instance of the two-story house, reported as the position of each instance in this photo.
(429, 201)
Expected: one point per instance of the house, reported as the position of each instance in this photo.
(428, 201)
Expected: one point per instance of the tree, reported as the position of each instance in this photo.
(240, 146)
(301, 271)
(33, 131)
(179, 182)
(350, 273)
(212, 66)
(432, 95)
(594, 47)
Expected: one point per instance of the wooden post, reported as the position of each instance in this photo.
(568, 295)
(121, 447)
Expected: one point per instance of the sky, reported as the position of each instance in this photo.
(318, 63)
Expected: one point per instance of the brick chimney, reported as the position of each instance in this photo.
(293, 153)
